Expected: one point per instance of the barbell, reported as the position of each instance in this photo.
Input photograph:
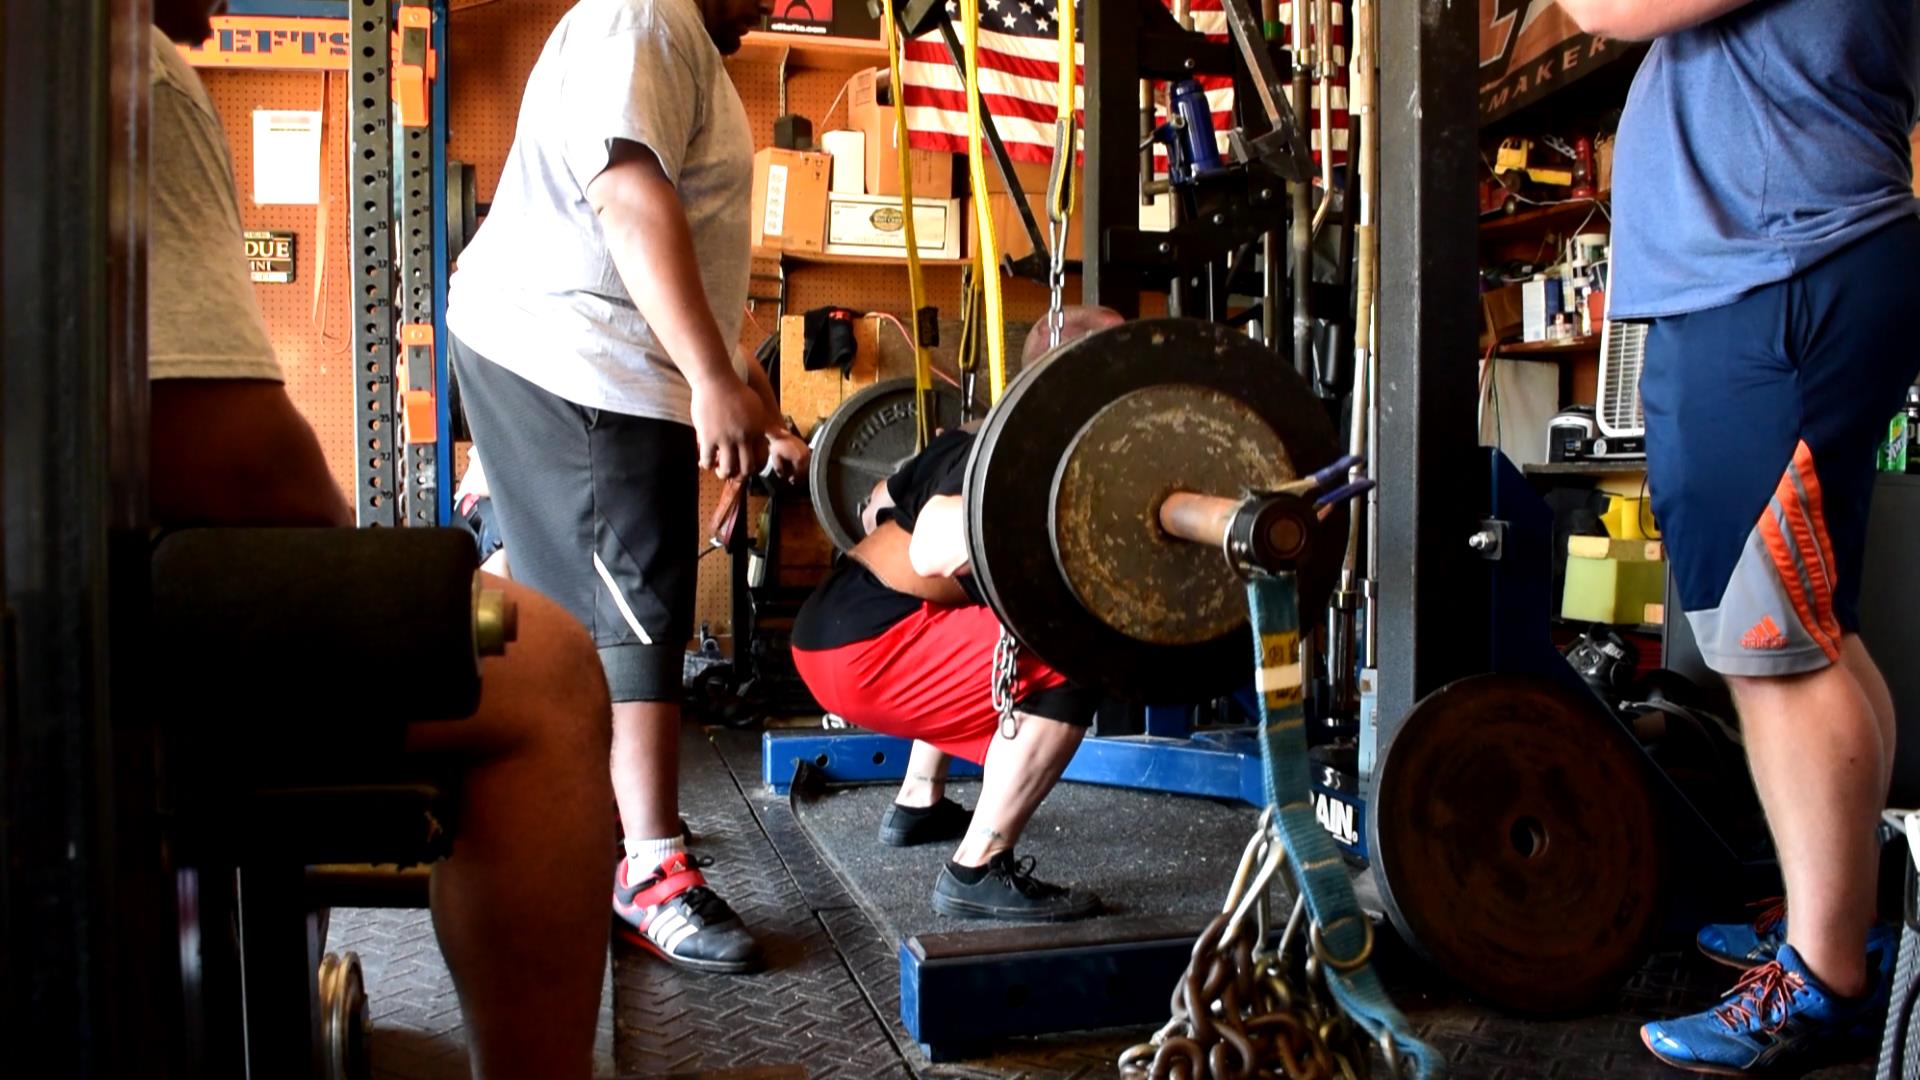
(1116, 494)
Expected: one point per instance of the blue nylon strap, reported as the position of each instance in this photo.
(1319, 867)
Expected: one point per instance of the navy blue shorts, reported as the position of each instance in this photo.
(1762, 422)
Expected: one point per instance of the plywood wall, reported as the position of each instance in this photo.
(491, 48)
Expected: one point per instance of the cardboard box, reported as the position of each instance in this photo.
(789, 200)
(870, 110)
(1500, 315)
(812, 396)
(873, 225)
(1011, 233)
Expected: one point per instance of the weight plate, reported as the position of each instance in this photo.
(1514, 836)
(1106, 535)
(1026, 438)
(866, 439)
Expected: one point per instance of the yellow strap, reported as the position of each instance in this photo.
(1061, 187)
(916, 280)
(987, 258)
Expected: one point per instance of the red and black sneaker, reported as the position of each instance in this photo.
(677, 917)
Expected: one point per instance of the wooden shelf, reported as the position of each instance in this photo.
(855, 260)
(1548, 350)
(1565, 215)
(1621, 467)
(804, 51)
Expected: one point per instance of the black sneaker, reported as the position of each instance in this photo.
(1010, 891)
(677, 917)
(944, 820)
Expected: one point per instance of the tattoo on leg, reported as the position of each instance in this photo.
(922, 778)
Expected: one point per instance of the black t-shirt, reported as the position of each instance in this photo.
(852, 604)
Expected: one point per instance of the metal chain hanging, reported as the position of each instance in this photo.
(1241, 1010)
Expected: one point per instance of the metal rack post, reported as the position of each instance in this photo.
(371, 165)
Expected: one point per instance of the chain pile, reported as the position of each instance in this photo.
(1241, 1011)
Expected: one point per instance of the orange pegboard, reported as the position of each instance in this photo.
(314, 342)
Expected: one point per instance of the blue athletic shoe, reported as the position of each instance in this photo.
(1748, 945)
(1778, 1017)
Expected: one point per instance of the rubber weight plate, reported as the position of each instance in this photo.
(1102, 430)
(1513, 832)
(866, 439)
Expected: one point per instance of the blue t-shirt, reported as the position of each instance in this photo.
(1755, 145)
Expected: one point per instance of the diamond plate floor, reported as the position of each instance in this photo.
(417, 1033)
(828, 1008)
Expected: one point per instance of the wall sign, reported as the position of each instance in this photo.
(836, 18)
(274, 43)
(270, 256)
(1530, 47)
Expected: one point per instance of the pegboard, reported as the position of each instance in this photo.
(314, 342)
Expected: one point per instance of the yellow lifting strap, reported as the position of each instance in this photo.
(916, 278)
(986, 260)
(1060, 187)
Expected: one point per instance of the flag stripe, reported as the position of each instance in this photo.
(1018, 59)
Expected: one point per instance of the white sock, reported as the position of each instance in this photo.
(645, 856)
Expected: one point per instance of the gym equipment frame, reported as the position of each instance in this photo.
(1466, 593)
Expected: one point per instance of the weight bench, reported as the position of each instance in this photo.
(289, 663)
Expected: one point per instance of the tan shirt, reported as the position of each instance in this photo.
(203, 321)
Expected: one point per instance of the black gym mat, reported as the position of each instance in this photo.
(1143, 853)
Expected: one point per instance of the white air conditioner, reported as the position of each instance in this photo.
(1623, 351)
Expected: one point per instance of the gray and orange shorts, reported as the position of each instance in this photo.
(1763, 419)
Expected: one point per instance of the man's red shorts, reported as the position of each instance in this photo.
(929, 677)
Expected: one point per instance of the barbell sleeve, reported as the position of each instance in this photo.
(1200, 519)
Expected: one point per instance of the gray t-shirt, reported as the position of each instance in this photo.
(203, 321)
(537, 291)
(1759, 143)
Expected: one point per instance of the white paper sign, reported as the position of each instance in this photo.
(286, 157)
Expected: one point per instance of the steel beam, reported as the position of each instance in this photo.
(85, 909)
(370, 179)
(1433, 589)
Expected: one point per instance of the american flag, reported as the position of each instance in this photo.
(1019, 72)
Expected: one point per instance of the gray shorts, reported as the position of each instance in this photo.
(600, 512)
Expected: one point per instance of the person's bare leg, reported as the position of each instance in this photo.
(1854, 657)
(1018, 774)
(521, 903)
(1818, 753)
(926, 781)
(646, 768)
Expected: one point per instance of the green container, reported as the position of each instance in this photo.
(1612, 590)
(1893, 452)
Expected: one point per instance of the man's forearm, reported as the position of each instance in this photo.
(1643, 20)
(646, 233)
(763, 387)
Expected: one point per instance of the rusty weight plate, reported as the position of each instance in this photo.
(1120, 564)
(866, 439)
(1031, 434)
(1515, 838)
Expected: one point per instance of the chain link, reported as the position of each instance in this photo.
(1056, 281)
(1006, 666)
(1241, 1010)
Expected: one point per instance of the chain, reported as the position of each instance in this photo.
(1057, 281)
(1006, 666)
(1241, 1010)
